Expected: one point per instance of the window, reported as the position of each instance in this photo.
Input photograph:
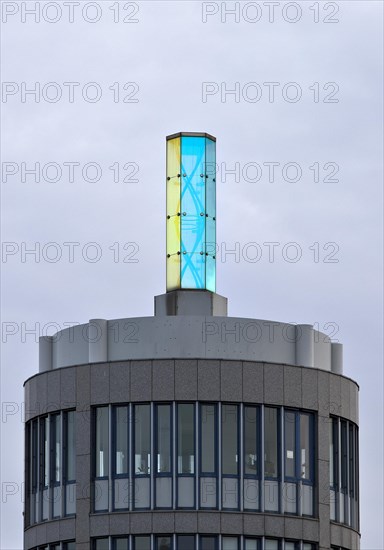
(251, 458)
(351, 467)
(120, 453)
(191, 542)
(252, 544)
(55, 467)
(333, 452)
(186, 542)
(101, 464)
(208, 543)
(186, 439)
(120, 458)
(56, 448)
(208, 438)
(101, 544)
(298, 462)
(46, 448)
(271, 461)
(208, 457)
(229, 438)
(142, 440)
(70, 454)
(333, 464)
(163, 543)
(163, 447)
(35, 473)
(251, 429)
(230, 543)
(271, 467)
(163, 453)
(185, 455)
(343, 501)
(290, 444)
(102, 442)
(343, 459)
(142, 543)
(142, 456)
(145, 457)
(229, 454)
(306, 458)
(344, 456)
(44, 467)
(120, 544)
(69, 445)
(298, 437)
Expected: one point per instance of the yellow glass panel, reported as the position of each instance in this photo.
(173, 235)
(173, 209)
(173, 176)
(173, 272)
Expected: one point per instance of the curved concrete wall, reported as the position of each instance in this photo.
(187, 336)
(192, 379)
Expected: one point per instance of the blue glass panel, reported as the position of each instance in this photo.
(210, 283)
(211, 179)
(210, 228)
(193, 212)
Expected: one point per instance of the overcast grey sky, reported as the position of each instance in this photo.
(322, 117)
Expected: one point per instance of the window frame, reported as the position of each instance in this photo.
(183, 474)
(235, 476)
(202, 474)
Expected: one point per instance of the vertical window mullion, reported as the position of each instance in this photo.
(174, 453)
(240, 458)
(62, 490)
(338, 468)
(52, 465)
(27, 469)
(110, 459)
(152, 458)
(64, 428)
(218, 435)
(197, 455)
(130, 465)
(262, 455)
(280, 436)
(39, 469)
(347, 500)
(357, 481)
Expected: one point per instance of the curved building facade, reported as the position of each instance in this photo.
(187, 431)
(191, 430)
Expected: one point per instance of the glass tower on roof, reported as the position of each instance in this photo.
(191, 211)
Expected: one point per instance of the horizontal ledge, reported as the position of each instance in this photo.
(191, 134)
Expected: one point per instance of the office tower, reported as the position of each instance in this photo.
(191, 430)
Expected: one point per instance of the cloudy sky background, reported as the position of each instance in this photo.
(169, 53)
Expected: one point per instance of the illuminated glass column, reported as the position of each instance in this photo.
(191, 211)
